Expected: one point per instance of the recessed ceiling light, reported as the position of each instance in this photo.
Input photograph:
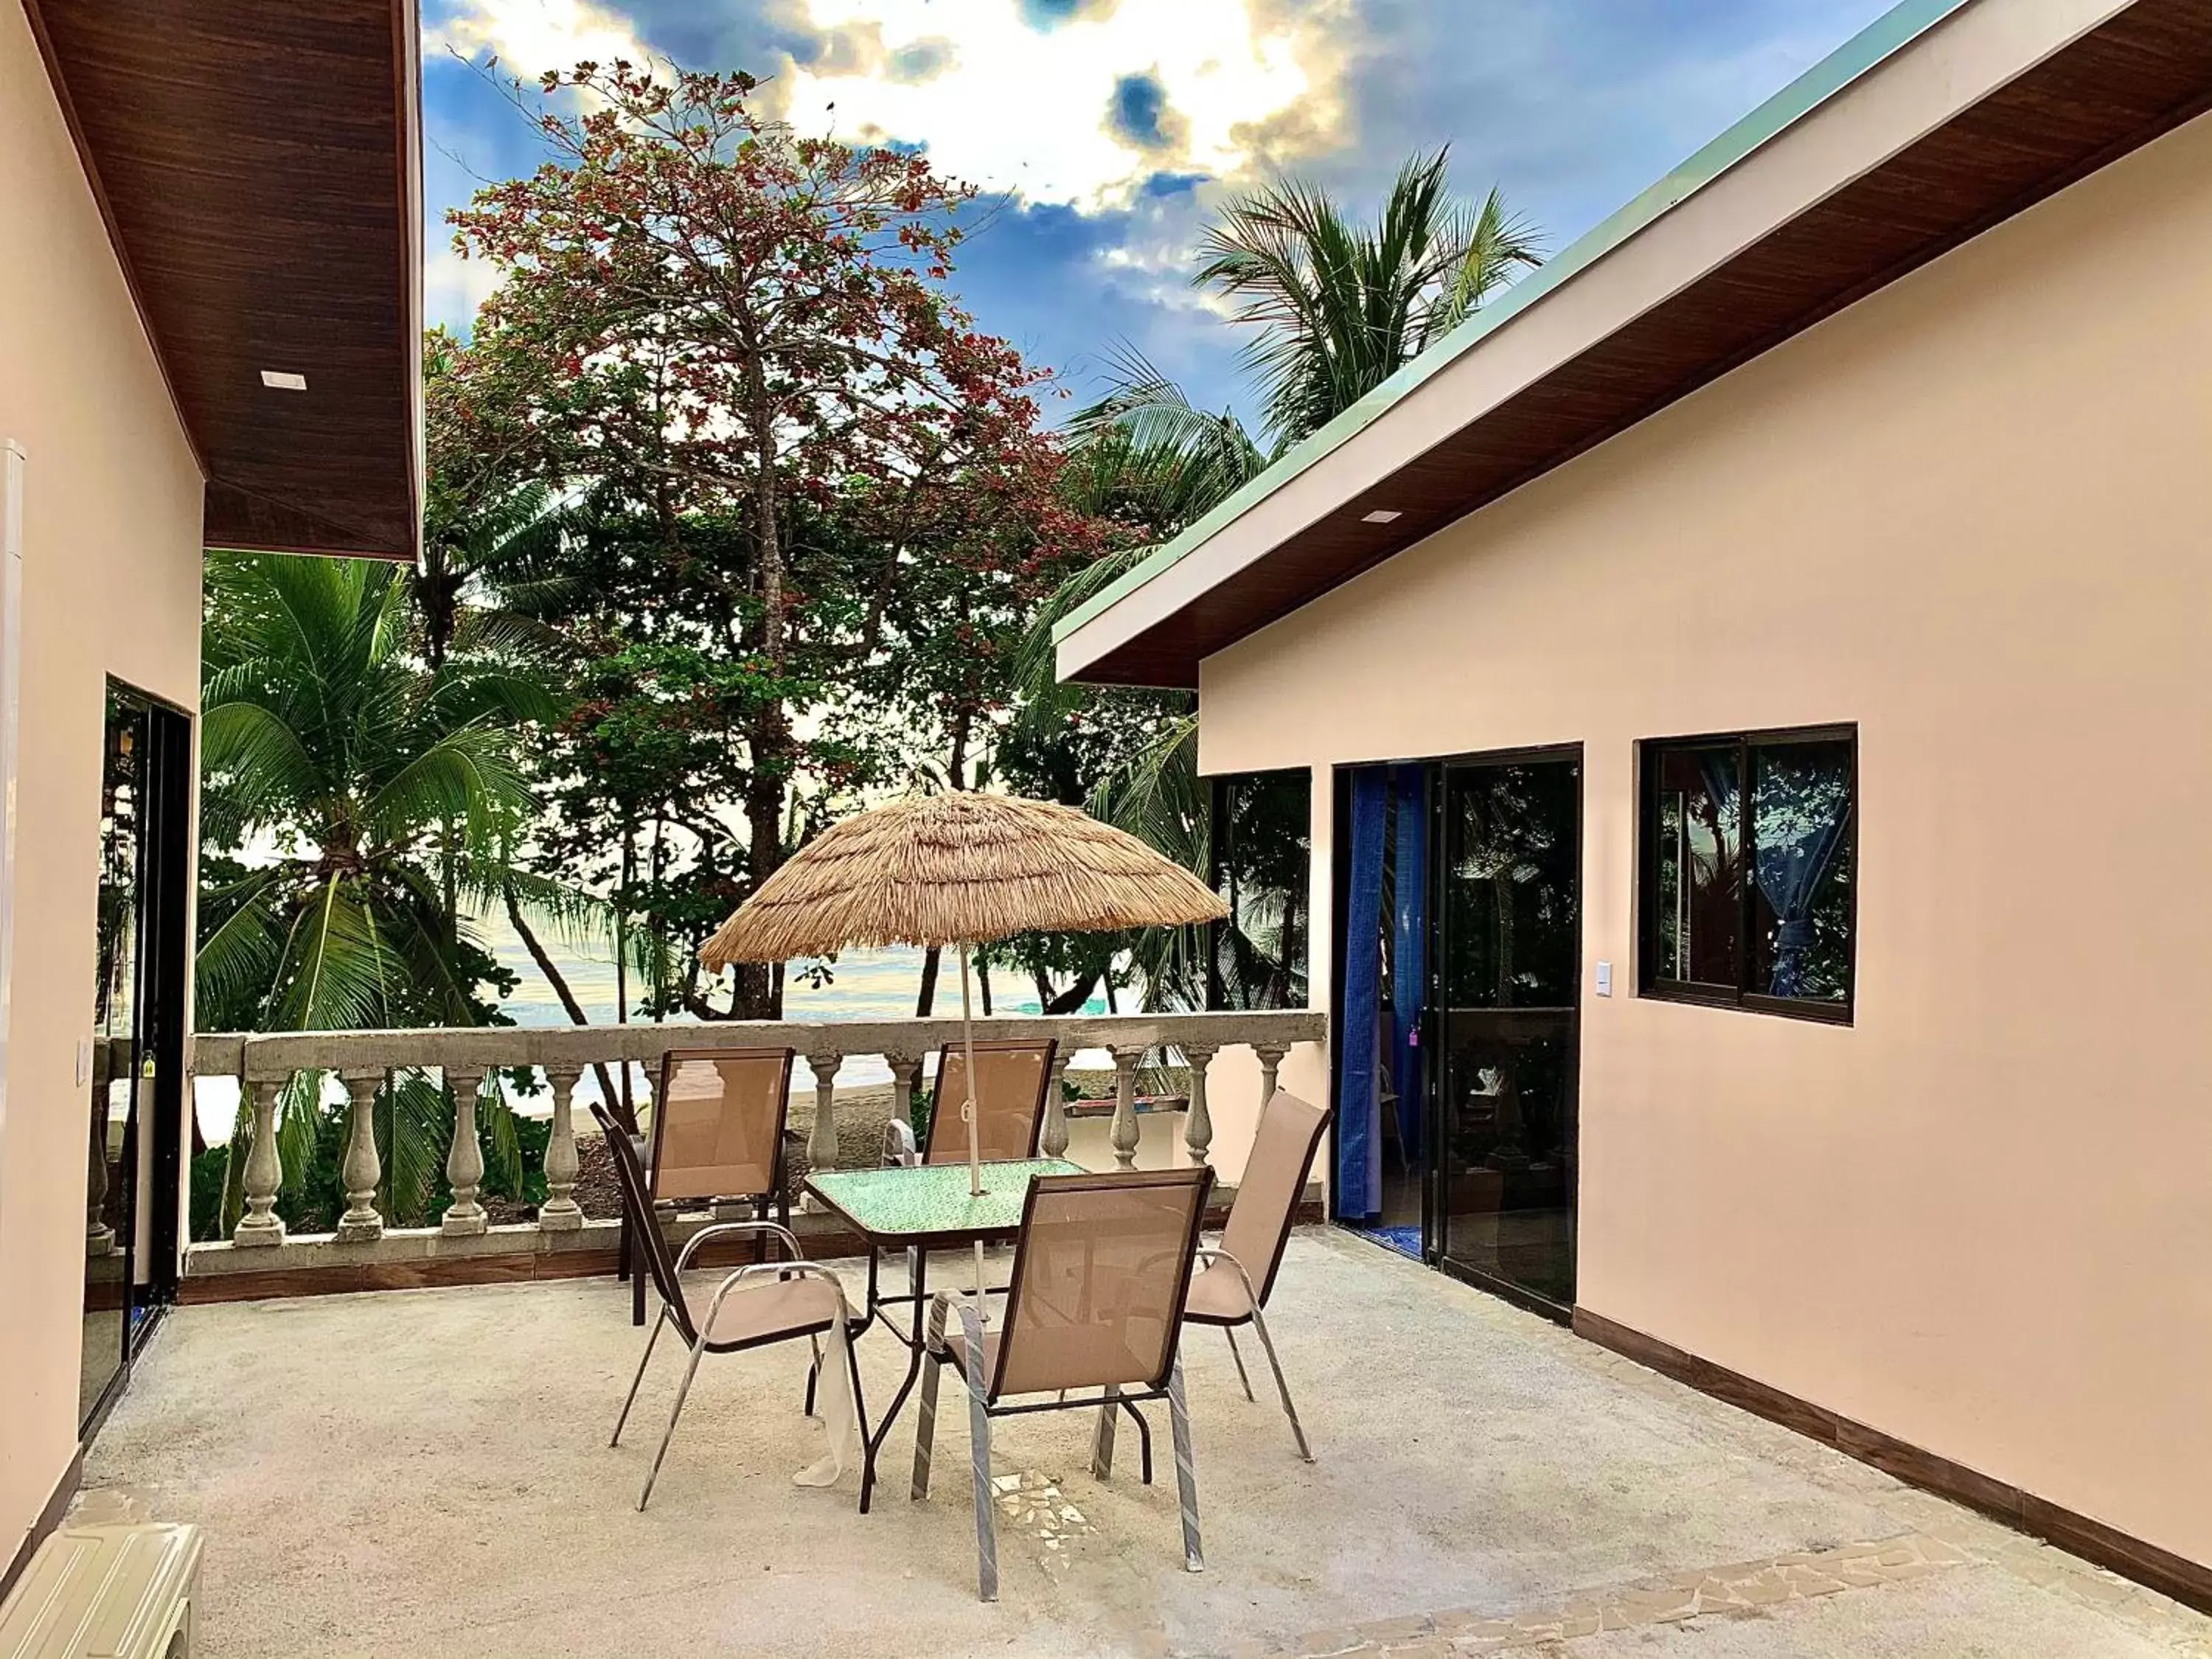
(1381, 515)
(278, 380)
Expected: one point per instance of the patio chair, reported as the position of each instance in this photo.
(1234, 1285)
(1101, 1272)
(718, 1136)
(758, 1304)
(1012, 1078)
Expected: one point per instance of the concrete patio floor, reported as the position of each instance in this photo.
(403, 1472)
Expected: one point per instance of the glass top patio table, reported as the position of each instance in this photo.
(901, 1207)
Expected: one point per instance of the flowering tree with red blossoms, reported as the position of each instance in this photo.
(739, 340)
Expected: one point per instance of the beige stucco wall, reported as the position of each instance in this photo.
(111, 586)
(1970, 515)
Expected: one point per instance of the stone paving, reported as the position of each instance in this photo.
(1768, 1588)
(405, 1472)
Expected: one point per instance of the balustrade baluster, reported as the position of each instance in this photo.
(1198, 1128)
(1124, 1133)
(821, 1145)
(465, 1216)
(1053, 1143)
(906, 1077)
(560, 1213)
(363, 1061)
(361, 1170)
(264, 1171)
(1271, 1059)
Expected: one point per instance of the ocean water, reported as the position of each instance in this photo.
(864, 985)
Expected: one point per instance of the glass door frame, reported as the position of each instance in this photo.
(1434, 1207)
(154, 1133)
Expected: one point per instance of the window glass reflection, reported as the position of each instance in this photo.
(1699, 873)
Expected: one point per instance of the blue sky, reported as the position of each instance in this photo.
(1102, 130)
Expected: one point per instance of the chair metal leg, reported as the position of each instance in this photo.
(1282, 1386)
(1101, 1442)
(859, 1401)
(813, 1375)
(631, 1398)
(1229, 1331)
(683, 1389)
(979, 1435)
(925, 1427)
(1186, 1470)
(1143, 1441)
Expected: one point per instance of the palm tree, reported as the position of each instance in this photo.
(347, 790)
(1337, 310)
(478, 587)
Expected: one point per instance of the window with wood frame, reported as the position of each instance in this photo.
(1747, 871)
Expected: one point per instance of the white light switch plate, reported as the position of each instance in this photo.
(1605, 979)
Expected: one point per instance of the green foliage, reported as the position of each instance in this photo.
(1335, 311)
(348, 792)
(812, 504)
(354, 801)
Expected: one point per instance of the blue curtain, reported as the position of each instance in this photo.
(1801, 800)
(1409, 941)
(1358, 1113)
(1799, 805)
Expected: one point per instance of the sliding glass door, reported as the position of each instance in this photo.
(1504, 975)
(133, 1067)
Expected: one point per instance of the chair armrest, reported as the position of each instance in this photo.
(899, 1148)
(719, 1228)
(964, 1300)
(802, 1269)
(1206, 1256)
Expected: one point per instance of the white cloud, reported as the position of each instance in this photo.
(531, 36)
(453, 288)
(1024, 109)
(999, 103)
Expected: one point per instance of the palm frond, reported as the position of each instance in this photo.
(266, 766)
(335, 970)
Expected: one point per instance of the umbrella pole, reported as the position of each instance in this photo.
(967, 1110)
(968, 1107)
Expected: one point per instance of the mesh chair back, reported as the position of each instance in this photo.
(1011, 1081)
(718, 1123)
(645, 1221)
(1099, 1277)
(1274, 1178)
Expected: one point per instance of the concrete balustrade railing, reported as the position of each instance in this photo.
(363, 1061)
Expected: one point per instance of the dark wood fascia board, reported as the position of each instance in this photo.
(90, 74)
(2187, 1582)
(59, 86)
(247, 521)
(407, 53)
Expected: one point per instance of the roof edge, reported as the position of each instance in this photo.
(1868, 49)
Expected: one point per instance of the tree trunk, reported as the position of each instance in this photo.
(983, 986)
(1071, 1000)
(927, 1000)
(759, 994)
(574, 1009)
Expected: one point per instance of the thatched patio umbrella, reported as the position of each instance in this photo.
(959, 869)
